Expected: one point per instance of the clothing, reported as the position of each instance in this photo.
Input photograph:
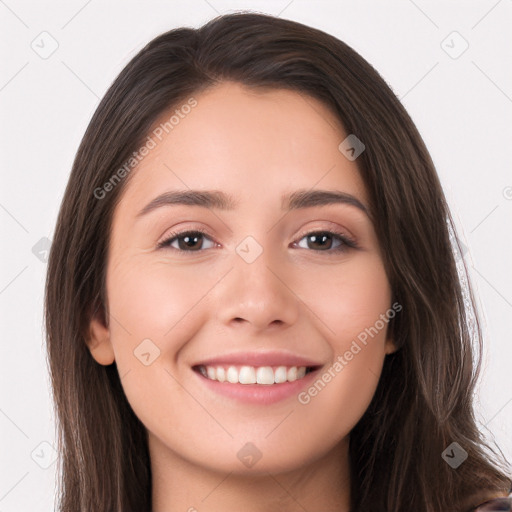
(497, 504)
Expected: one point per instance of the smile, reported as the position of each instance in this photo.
(264, 375)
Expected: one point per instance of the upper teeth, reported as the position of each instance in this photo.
(253, 375)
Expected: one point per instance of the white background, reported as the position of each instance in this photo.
(462, 107)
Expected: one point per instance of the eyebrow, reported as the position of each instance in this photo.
(215, 199)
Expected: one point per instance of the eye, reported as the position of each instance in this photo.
(191, 241)
(319, 241)
(326, 241)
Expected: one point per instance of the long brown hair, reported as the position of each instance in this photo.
(423, 402)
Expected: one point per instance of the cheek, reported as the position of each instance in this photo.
(354, 305)
(340, 396)
(155, 310)
(156, 307)
(348, 299)
(152, 299)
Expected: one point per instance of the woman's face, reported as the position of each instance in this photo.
(278, 279)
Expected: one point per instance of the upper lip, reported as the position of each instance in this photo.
(259, 359)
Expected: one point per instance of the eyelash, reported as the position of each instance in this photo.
(346, 242)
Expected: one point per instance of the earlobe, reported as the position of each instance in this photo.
(390, 346)
(98, 341)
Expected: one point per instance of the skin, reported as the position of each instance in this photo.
(294, 297)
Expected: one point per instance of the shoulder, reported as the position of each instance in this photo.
(496, 504)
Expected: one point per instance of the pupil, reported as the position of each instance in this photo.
(321, 238)
(190, 241)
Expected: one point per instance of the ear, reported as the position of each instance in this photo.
(390, 346)
(98, 339)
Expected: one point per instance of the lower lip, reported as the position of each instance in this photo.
(264, 394)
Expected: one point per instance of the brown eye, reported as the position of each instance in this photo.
(191, 241)
(326, 241)
(321, 241)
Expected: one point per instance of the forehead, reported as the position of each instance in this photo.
(249, 143)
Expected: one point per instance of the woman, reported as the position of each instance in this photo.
(252, 299)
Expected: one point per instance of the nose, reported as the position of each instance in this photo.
(257, 295)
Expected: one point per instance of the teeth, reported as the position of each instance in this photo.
(292, 374)
(247, 375)
(232, 375)
(221, 374)
(280, 374)
(265, 375)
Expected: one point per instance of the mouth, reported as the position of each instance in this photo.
(256, 385)
(257, 378)
(259, 375)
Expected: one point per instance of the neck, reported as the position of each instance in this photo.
(181, 485)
